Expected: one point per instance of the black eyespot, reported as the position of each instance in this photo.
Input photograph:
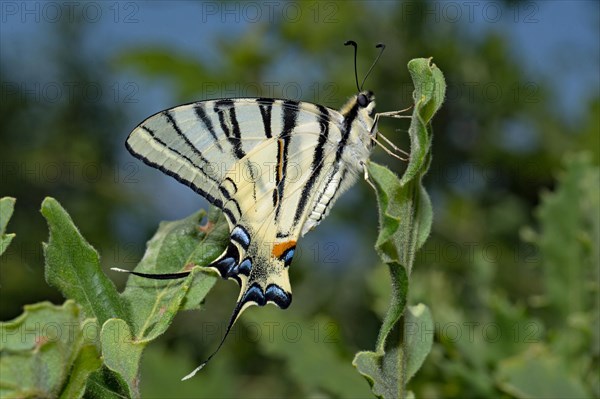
(362, 100)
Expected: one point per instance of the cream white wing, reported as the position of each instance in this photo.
(200, 143)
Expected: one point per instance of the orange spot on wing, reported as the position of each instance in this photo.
(280, 248)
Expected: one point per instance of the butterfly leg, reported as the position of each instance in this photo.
(366, 175)
(390, 114)
(395, 114)
(373, 133)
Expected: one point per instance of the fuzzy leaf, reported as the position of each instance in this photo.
(178, 245)
(86, 363)
(106, 384)
(384, 370)
(122, 353)
(430, 89)
(405, 217)
(73, 266)
(7, 206)
(40, 348)
(213, 240)
(418, 337)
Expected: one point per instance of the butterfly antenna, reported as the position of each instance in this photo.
(234, 316)
(382, 47)
(353, 44)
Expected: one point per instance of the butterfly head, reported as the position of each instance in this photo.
(366, 102)
(364, 105)
(365, 99)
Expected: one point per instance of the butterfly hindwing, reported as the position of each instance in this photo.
(275, 203)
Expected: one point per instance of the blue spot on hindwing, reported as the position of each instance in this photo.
(254, 294)
(226, 262)
(240, 235)
(277, 295)
(287, 256)
(245, 267)
(225, 266)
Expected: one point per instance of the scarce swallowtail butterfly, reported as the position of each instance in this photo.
(206, 145)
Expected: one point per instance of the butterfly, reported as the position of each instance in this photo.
(274, 167)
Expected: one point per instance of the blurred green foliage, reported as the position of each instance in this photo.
(509, 273)
(67, 149)
(7, 207)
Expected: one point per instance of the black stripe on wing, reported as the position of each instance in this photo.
(265, 105)
(230, 121)
(152, 134)
(346, 128)
(291, 109)
(213, 200)
(229, 199)
(173, 123)
(231, 129)
(201, 114)
(317, 162)
(337, 165)
(335, 192)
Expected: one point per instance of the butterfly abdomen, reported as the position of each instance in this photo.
(351, 152)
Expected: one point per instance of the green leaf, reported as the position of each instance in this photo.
(418, 337)
(430, 89)
(106, 384)
(7, 206)
(41, 348)
(178, 245)
(383, 372)
(405, 217)
(537, 373)
(214, 238)
(122, 353)
(86, 363)
(386, 370)
(73, 266)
